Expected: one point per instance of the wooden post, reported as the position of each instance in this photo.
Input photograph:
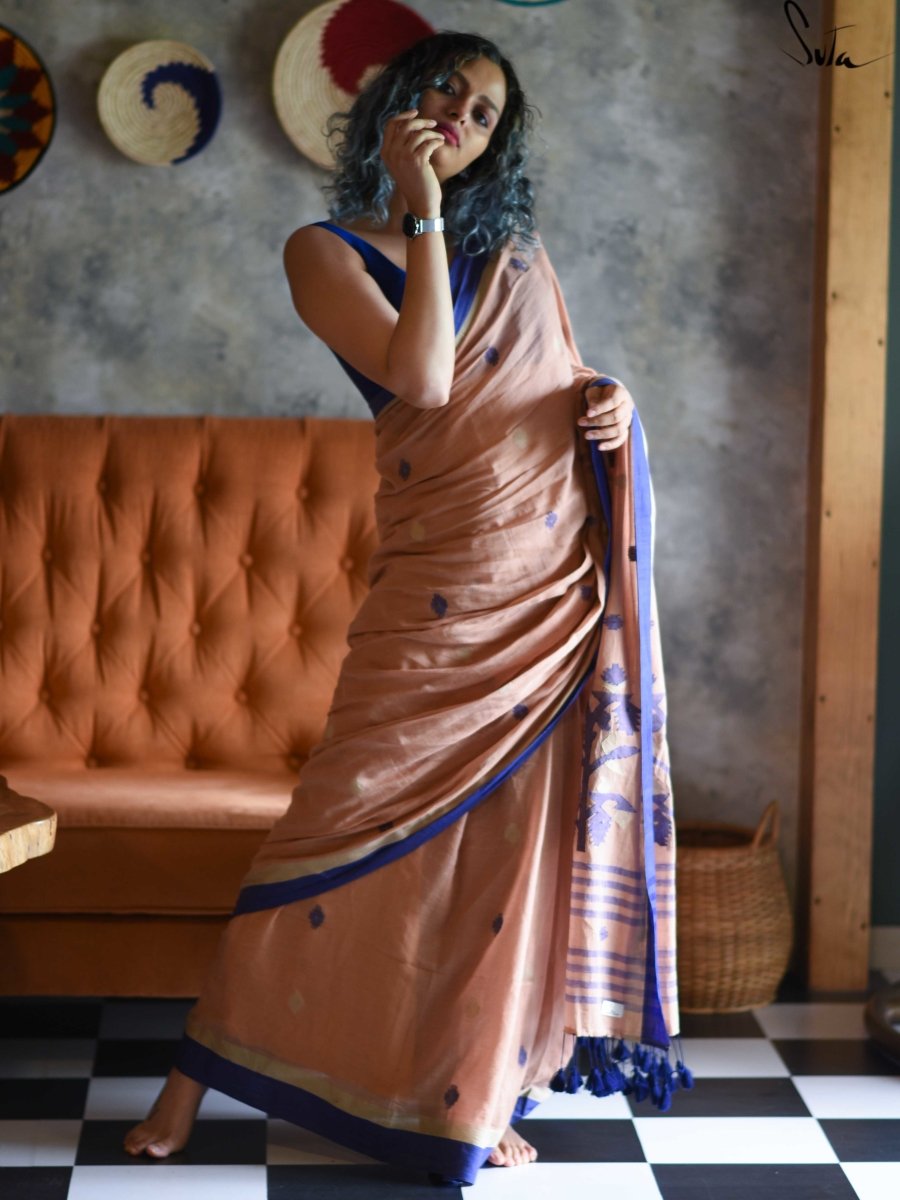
(845, 494)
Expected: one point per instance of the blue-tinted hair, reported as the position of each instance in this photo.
(483, 206)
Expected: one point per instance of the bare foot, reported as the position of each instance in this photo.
(512, 1151)
(169, 1122)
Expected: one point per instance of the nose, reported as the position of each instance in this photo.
(458, 108)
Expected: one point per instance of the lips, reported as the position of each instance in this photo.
(451, 133)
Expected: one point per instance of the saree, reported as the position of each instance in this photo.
(470, 899)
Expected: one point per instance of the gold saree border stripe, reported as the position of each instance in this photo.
(312, 1082)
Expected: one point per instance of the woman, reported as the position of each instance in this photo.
(477, 864)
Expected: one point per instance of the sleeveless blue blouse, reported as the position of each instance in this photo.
(465, 275)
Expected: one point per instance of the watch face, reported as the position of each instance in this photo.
(410, 225)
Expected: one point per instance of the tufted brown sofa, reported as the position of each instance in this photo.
(174, 599)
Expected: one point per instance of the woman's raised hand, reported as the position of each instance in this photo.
(608, 416)
(406, 149)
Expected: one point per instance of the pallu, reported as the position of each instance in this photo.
(470, 899)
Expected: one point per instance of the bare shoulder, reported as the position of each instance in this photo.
(312, 252)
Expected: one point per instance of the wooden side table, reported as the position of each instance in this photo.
(27, 827)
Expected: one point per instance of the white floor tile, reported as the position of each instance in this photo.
(550, 1181)
(719, 1058)
(871, 1097)
(38, 1143)
(289, 1145)
(46, 1058)
(812, 1020)
(875, 1180)
(130, 1099)
(733, 1140)
(142, 1182)
(144, 1018)
(560, 1106)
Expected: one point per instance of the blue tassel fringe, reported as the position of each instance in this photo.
(633, 1068)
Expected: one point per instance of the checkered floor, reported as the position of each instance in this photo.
(792, 1102)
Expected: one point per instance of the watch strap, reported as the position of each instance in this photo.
(413, 225)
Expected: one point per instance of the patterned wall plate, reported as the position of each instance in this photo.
(328, 58)
(159, 102)
(27, 109)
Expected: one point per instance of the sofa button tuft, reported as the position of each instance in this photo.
(47, 554)
(143, 695)
(294, 762)
(347, 563)
(191, 763)
(45, 695)
(195, 628)
(145, 556)
(101, 484)
(296, 630)
(303, 492)
(91, 761)
(246, 560)
(241, 697)
(95, 628)
(199, 488)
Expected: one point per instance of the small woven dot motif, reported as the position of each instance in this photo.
(27, 110)
(159, 102)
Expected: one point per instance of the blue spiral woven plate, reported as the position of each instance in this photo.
(159, 102)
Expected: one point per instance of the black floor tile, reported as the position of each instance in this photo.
(225, 1141)
(354, 1183)
(42, 1099)
(135, 1056)
(742, 1024)
(584, 1141)
(814, 1181)
(34, 1183)
(745, 1097)
(49, 1017)
(864, 1141)
(832, 1056)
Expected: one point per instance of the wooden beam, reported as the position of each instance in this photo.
(850, 298)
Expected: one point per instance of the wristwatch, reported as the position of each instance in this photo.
(413, 225)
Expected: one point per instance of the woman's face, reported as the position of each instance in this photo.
(467, 107)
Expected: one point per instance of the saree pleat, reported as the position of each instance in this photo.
(472, 889)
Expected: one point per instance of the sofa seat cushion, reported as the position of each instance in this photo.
(167, 797)
(132, 840)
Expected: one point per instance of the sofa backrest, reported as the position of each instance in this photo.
(177, 589)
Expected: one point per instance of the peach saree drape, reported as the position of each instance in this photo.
(471, 897)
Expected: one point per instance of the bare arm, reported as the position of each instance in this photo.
(410, 353)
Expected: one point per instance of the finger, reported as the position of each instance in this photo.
(427, 145)
(612, 410)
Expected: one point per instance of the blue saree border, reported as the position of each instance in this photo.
(258, 896)
(457, 1161)
(654, 1029)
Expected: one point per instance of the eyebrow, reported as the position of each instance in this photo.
(481, 95)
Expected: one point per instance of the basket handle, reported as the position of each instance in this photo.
(769, 823)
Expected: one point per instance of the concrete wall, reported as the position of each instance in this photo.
(675, 172)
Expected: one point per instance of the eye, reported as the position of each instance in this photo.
(484, 118)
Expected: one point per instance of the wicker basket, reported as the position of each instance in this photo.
(734, 919)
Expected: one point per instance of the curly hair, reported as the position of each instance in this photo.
(488, 202)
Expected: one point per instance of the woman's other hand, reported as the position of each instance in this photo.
(609, 410)
(406, 149)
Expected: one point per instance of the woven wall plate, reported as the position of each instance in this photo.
(159, 102)
(328, 58)
(27, 110)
